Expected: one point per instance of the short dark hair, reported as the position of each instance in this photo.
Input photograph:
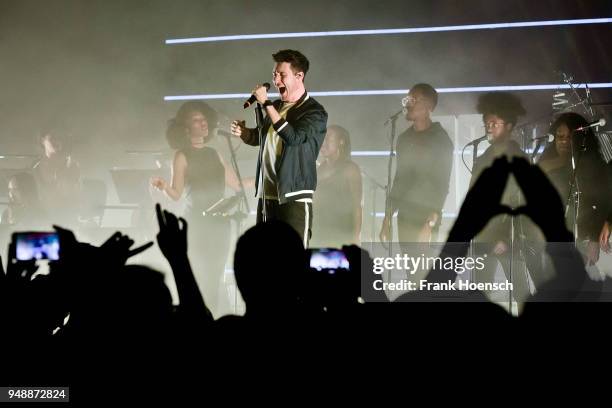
(428, 91)
(299, 62)
(503, 104)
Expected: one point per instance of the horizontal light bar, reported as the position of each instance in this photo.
(467, 27)
(385, 153)
(370, 153)
(213, 96)
(544, 87)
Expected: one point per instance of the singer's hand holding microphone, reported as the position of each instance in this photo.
(260, 94)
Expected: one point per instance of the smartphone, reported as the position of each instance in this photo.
(36, 246)
(330, 259)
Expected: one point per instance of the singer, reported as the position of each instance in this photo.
(293, 132)
(591, 179)
(422, 177)
(500, 112)
(198, 180)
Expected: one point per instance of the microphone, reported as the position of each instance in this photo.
(394, 116)
(549, 138)
(252, 99)
(600, 122)
(476, 141)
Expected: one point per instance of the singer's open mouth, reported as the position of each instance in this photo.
(282, 90)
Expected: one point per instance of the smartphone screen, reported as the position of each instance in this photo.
(36, 245)
(328, 259)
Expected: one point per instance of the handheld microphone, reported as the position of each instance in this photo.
(600, 122)
(252, 99)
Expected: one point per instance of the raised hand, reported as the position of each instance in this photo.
(482, 202)
(172, 241)
(543, 203)
(172, 236)
(18, 271)
(159, 183)
(261, 93)
(67, 239)
(118, 246)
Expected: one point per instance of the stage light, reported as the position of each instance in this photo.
(383, 92)
(412, 30)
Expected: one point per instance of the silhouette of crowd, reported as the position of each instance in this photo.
(92, 311)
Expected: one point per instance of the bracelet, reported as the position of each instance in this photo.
(267, 103)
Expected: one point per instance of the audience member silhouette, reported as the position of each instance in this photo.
(93, 311)
(270, 285)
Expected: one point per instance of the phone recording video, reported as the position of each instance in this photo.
(36, 246)
(328, 259)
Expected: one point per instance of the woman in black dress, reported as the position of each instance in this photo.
(199, 176)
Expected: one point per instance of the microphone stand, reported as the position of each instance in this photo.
(393, 117)
(243, 198)
(374, 186)
(239, 215)
(259, 119)
(583, 101)
(575, 191)
(513, 230)
(535, 151)
(474, 144)
(388, 206)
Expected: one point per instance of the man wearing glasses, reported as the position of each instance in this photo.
(500, 112)
(424, 161)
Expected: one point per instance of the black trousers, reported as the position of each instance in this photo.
(296, 213)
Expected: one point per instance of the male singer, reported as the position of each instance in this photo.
(293, 131)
